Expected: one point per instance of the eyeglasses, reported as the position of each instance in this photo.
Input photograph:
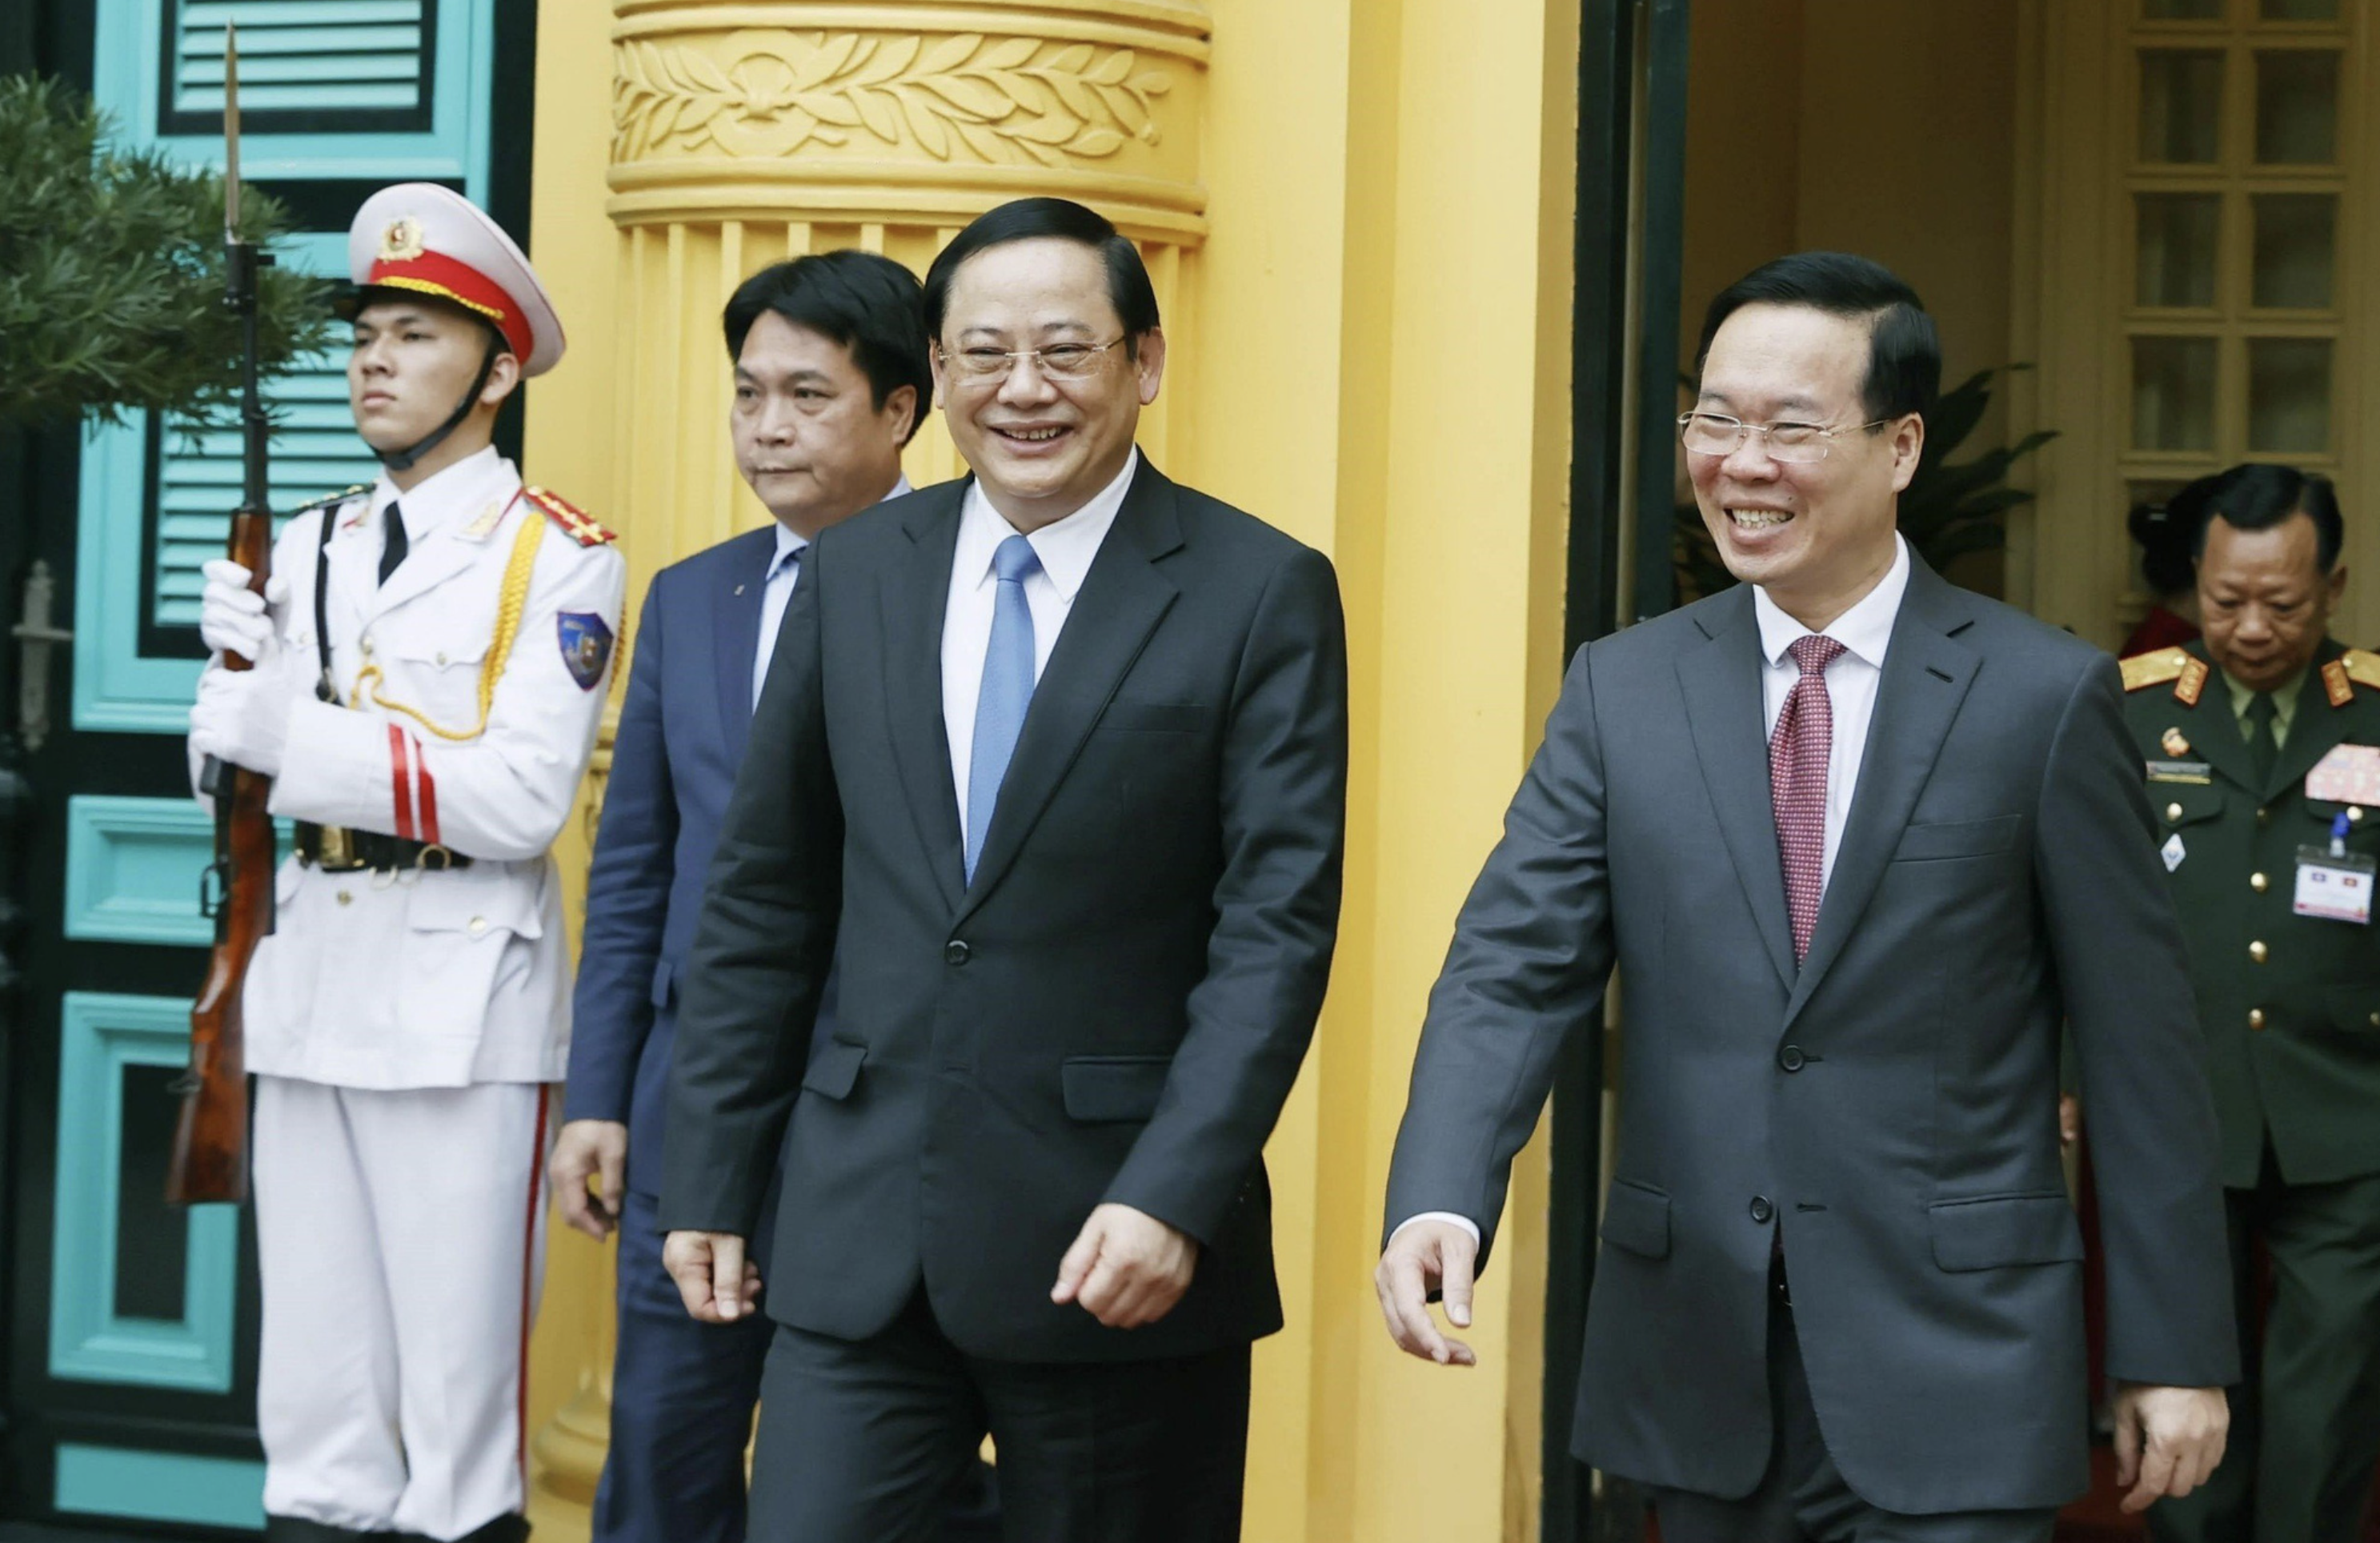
(1713, 433)
(1059, 361)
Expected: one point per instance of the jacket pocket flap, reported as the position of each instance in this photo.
(1113, 1086)
(2355, 1008)
(1179, 716)
(1956, 838)
(462, 902)
(1636, 1218)
(835, 1068)
(2004, 1230)
(2183, 803)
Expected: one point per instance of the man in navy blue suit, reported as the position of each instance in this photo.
(831, 380)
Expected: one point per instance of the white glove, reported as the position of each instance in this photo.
(242, 716)
(234, 618)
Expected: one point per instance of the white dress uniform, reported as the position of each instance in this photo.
(405, 1021)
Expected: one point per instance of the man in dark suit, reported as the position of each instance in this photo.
(1859, 841)
(1050, 770)
(831, 378)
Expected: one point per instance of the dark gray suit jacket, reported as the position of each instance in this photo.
(1114, 1010)
(1890, 1107)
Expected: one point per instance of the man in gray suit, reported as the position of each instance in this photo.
(1860, 841)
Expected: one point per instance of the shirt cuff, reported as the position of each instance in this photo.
(1463, 1221)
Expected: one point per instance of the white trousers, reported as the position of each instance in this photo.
(401, 1244)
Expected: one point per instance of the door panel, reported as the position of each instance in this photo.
(130, 1333)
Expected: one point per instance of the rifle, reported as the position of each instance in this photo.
(210, 1160)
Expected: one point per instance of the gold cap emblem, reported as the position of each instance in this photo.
(401, 242)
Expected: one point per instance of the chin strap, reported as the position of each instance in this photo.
(403, 460)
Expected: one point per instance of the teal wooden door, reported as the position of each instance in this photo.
(130, 1387)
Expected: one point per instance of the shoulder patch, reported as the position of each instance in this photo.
(330, 501)
(2144, 669)
(574, 521)
(586, 646)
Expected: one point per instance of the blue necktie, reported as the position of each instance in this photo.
(1007, 690)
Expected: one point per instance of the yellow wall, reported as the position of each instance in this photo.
(1359, 218)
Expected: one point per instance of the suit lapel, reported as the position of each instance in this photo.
(1121, 602)
(2311, 733)
(442, 553)
(1927, 674)
(913, 599)
(1721, 683)
(735, 627)
(2213, 730)
(352, 580)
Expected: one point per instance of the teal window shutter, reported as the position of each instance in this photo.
(330, 56)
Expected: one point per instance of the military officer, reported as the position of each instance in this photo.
(2262, 743)
(430, 657)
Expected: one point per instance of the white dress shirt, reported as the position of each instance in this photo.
(1065, 548)
(1865, 631)
(784, 565)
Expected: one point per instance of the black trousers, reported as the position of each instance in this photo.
(860, 1440)
(1803, 1497)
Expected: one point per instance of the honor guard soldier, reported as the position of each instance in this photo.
(2262, 743)
(430, 664)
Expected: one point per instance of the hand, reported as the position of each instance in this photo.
(1422, 1257)
(2069, 1118)
(2183, 1431)
(1126, 1268)
(242, 716)
(234, 618)
(717, 1283)
(585, 1149)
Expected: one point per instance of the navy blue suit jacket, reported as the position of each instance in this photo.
(682, 735)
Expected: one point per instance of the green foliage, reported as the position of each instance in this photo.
(1947, 512)
(112, 273)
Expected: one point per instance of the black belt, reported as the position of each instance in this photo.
(338, 849)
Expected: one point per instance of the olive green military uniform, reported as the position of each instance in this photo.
(2290, 1008)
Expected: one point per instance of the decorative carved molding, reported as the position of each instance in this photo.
(1011, 100)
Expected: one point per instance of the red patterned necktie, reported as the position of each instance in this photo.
(1798, 753)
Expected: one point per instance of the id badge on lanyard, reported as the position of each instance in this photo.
(2334, 883)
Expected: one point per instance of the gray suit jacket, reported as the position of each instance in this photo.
(1889, 1109)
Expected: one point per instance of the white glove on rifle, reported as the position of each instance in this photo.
(242, 716)
(234, 618)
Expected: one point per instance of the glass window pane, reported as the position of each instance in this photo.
(2288, 394)
(2174, 259)
(2173, 394)
(2298, 10)
(2296, 107)
(2295, 235)
(2181, 101)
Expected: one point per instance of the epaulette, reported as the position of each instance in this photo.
(2342, 675)
(573, 520)
(332, 500)
(2186, 670)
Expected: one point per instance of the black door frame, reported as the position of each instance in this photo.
(1629, 236)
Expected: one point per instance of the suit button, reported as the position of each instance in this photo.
(2264, 816)
(1791, 1058)
(2257, 951)
(2172, 812)
(2355, 814)
(2258, 883)
(479, 927)
(1762, 1211)
(956, 952)
(347, 897)
(2256, 1018)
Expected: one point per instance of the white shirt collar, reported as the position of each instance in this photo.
(790, 541)
(1065, 547)
(1865, 630)
(458, 492)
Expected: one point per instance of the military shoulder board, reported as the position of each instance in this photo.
(2353, 668)
(2186, 670)
(332, 500)
(574, 521)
